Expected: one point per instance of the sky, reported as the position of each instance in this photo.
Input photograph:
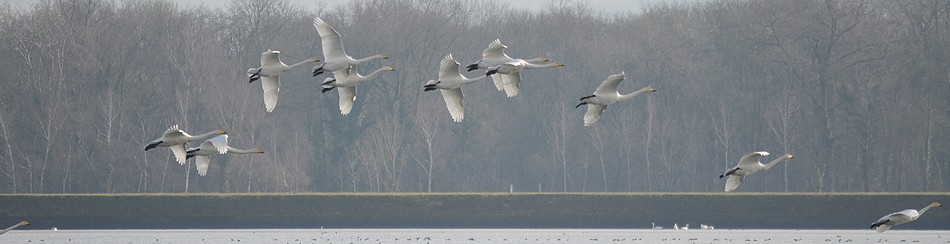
(609, 6)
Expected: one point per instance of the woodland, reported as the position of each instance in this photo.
(858, 91)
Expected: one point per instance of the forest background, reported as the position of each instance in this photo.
(856, 90)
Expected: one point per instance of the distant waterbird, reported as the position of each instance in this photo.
(346, 81)
(269, 73)
(210, 147)
(450, 83)
(494, 55)
(606, 94)
(335, 58)
(748, 165)
(175, 139)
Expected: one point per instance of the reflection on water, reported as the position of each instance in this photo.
(472, 236)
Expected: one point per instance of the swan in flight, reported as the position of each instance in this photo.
(495, 55)
(270, 70)
(22, 223)
(748, 165)
(203, 152)
(450, 82)
(606, 94)
(511, 73)
(335, 58)
(347, 80)
(175, 139)
(885, 223)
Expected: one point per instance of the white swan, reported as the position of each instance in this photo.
(203, 152)
(450, 82)
(494, 55)
(175, 139)
(22, 223)
(511, 73)
(748, 165)
(885, 223)
(606, 94)
(270, 70)
(335, 58)
(655, 227)
(347, 80)
(685, 227)
(676, 226)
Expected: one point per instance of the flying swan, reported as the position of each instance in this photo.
(22, 223)
(885, 223)
(203, 152)
(450, 82)
(606, 94)
(175, 139)
(270, 70)
(347, 80)
(748, 165)
(335, 58)
(494, 55)
(511, 73)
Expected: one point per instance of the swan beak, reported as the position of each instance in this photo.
(545, 60)
(315, 60)
(558, 64)
(28, 222)
(385, 56)
(939, 205)
(260, 151)
(221, 132)
(390, 68)
(789, 156)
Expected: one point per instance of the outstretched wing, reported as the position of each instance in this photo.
(271, 85)
(218, 143)
(332, 47)
(453, 101)
(495, 50)
(594, 111)
(347, 96)
(202, 162)
(609, 86)
(173, 132)
(449, 68)
(270, 58)
(179, 152)
(733, 182)
(752, 158)
(512, 83)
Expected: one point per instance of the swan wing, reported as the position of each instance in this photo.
(733, 182)
(512, 83)
(271, 85)
(499, 81)
(218, 143)
(609, 86)
(202, 162)
(347, 96)
(449, 68)
(332, 47)
(270, 58)
(179, 152)
(173, 132)
(752, 158)
(593, 113)
(453, 101)
(494, 51)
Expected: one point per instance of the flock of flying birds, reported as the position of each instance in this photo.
(505, 73)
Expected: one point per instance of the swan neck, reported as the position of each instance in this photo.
(628, 96)
(299, 63)
(468, 80)
(366, 59)
(241, 151)
(205, 135)
(376, 72)
(776, 161)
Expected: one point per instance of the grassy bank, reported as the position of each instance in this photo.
(467, 210)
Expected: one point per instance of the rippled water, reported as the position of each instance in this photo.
(472, 236)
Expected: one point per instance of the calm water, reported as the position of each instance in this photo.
(472, 236)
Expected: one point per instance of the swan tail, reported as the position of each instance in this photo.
(326, 89)
(318, 70)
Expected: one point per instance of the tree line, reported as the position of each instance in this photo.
(856, 90)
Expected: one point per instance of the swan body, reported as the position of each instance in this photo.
(606, 94)
(495, 55)
(685, 227)
(347, 80)
(655, 227)
(748, 165)
(450, 83)
(885, 223)
(203, 152)
(335, 58)
(21, 223)
(269, 73)
(510, 73)
(175, 139)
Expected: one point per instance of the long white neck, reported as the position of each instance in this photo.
(366, 59)
(243, 151)
(309, 60)
(780, 159)
(541, 66)
(466, 80)
(12, 227)
(921, 212)
(374, 73)
(205, 135)
(624, 97)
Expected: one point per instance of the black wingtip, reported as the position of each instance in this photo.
(471, 67)
(491, 72)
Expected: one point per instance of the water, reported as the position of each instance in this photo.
(472, 236)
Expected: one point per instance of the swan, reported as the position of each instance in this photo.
(335, 58)
(748, 165)
(494, 55)
(203, 152)
(270, 70)
(606, 94)
(685, 227)
(675, 226)
(511, 73)
(656, 227)
(347, 80)
(885, 223)
(175, 139)
(22, 223)
(450, 82)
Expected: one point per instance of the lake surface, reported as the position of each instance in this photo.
(473, 236)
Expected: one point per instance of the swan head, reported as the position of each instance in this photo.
(651, 89)
(936, 205)
(543, 59)
(259, 151)
(28, 222)
(389, 68)
(221, 132)
(558, 64)
(789, 156)
(314, 60)
(383, 56)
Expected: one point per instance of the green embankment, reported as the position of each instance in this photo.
(469, 210)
